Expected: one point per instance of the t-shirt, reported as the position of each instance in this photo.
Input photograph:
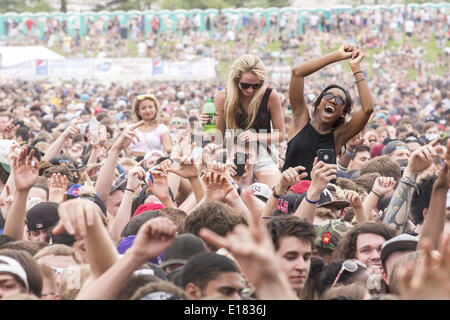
(150, 140)
(409, 26)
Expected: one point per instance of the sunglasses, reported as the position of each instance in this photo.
(255, 86)
(350, 266)
(329, 96)
(145, 96)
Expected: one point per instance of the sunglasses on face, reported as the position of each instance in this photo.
(337, 99)
(255, 86)
(350, 266)
(145, 96)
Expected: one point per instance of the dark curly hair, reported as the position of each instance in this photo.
(346, 248)
(421, 197)
(347, 106)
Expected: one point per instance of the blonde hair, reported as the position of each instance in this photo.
(354, 290)
(71, 284)
(59, 250)
(243, 64)
(135, 113)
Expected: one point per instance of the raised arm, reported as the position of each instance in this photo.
(321, 174)
(296, 86)
(153, 238)
(25, 171)
(106, 176)
(434, 223)
(361, 117)
(397, 212)
(135, 174)
(56, 147)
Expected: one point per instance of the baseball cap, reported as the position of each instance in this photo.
(73, 191)
(330, 232)
(392, 146)
(43, 215)
(182, 249)
(260, 190)
(65, 161)
(120, 183)
(402, 242)
(97, 200)
(10, 265)
(126, 244)
(148, 206)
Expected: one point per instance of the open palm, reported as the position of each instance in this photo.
(25, 170)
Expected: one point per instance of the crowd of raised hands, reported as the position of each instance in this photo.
(207, 178)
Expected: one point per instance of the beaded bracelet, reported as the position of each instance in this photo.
(360, 80)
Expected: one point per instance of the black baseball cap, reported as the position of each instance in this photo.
(43, 215)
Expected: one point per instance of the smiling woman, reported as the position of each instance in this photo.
(327, 129)
(153, 135)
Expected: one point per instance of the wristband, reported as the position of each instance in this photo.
(360, 80)
(275, 194)
(128, 189)
(357, 73)
(350, 154)
(376, 194)
(312, 202)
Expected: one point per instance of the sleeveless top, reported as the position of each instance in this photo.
(302, 149)
(262, 120)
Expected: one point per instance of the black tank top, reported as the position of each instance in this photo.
(302, 149)
(262, 120)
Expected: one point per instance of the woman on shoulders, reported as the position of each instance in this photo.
(327, 128)
(153, 135)
(250, 105)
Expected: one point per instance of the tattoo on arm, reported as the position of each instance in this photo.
(398, 210)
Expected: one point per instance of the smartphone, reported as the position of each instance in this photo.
(240, 159)
(326, 155)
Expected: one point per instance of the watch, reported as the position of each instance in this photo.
(275, 194)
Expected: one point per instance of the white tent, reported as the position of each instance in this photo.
(14, 55)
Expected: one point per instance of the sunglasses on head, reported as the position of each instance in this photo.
(350, 266)
(329, 96)
(145, 96)
(255, 86)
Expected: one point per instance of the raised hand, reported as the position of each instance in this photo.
(356, 140)
(383, 185)
(153, 238)
(6, 201)
(127, 136)
(135, 176)
(160, 185)
(321, 174)
(422, 158)
(248, 136)
(356, 58)
(289, 177)
(57, 187)
(345, 51)
(185, 168)
(184, 145)
(72, 130)
(76, 216)
(354, 199)
(217, 186)
(430, 279)
(25, 170)
(10, 131)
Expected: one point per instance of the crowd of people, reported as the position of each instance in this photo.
(330, 182)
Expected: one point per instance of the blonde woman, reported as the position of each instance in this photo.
(153, 135)
(250, 105)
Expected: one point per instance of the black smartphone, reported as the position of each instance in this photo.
(240, 159)
(326, 155)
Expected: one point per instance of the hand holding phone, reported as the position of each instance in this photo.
(326, 156)
(240, 159)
